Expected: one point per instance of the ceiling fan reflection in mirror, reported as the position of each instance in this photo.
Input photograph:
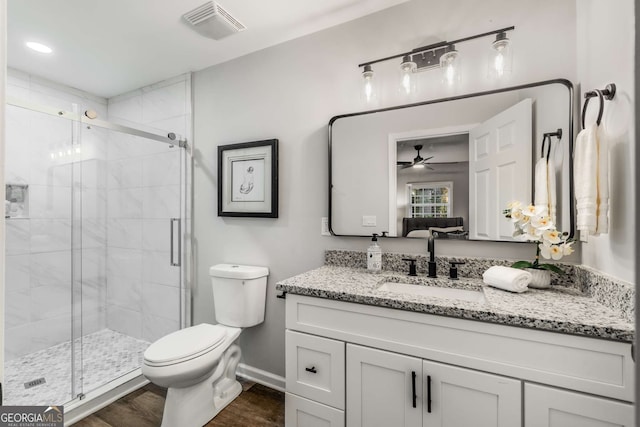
(418, 161)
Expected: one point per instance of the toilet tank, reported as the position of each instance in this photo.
(239, 294)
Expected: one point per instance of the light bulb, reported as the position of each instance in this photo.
(408, 83)
(450, 64)
(368, 85)
(500, 57)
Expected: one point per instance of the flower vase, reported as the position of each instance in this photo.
(540, 279)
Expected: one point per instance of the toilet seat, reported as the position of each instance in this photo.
(184, 345)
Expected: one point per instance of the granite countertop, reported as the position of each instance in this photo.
(559, 309)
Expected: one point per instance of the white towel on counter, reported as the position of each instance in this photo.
(507, 278)
(545, 187)
(591, 181)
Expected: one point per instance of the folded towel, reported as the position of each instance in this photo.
(591, 180)
(586, 179)
(507, 278)
(545, 186)
(602, 200)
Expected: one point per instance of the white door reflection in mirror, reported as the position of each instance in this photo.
(499, 170)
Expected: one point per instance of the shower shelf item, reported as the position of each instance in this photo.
(16, 203)
(607, 93)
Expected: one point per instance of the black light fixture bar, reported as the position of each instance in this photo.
(437, 45)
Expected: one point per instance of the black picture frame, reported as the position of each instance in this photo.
(248, 179)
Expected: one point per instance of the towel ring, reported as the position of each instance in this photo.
(586, 102)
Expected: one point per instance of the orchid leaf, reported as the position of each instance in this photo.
(551, 267)
(522, 264)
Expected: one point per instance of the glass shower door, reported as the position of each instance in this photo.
(131, 226)
(38, 211)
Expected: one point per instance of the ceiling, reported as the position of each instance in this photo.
(111, 47)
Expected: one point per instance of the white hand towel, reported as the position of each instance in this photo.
(541, 190)
(585, 176)
(507, 278)
(602, 201)
(551, 184)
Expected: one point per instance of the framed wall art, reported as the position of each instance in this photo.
(248, 179)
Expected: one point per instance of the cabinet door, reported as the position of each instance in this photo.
(456, 397)
(383, 388)
(551, 407)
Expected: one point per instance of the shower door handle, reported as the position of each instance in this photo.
(172, 233)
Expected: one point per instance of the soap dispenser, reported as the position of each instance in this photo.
(374, 256)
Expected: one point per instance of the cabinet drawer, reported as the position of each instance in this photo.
(315, 368)
(301, 412)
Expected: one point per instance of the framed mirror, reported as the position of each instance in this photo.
(448, 167)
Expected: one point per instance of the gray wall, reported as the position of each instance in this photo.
(290, 92)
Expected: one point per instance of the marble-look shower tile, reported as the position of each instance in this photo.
(155, 327)
(17, 342)
(161, 202)
(124, 263)
(16, 308)
(46, 202)
(16, 145)
(94, 203)
(158, 269)
(17, 273)
(49, 235)
(125, 173)
(18, 236)
(161, 301)
(161, 169)
(93, 233)
(50, 301)
(177, 125)
(50, 268)
(124, 292)
(126, 233)
(50, 332)
(125, 321)
(156, 234)
(124, 203)
(128, 108)
(161, 103)
(92, 172)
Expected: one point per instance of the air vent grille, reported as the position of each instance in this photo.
(211, 10)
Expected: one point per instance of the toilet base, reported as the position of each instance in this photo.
(196, 405)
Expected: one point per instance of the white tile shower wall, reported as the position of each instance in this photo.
(38, 262)
(144, 192)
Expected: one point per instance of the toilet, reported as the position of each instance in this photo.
(198, 364)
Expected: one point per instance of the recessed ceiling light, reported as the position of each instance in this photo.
(39, 47)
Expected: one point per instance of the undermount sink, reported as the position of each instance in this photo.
(434, 291)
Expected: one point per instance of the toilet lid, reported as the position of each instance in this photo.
(185, 344)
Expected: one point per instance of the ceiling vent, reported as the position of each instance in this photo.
(211, 20)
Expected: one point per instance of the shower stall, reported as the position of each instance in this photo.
(96, 251)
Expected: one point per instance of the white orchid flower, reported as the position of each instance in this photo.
(531, 233)
(566, 248)
(552, 236)
(533, 210)
(551, 251)
(542, 223)
(516, 215)
(514, 204)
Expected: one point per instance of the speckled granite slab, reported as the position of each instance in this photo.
(613, 293)
(560, 309)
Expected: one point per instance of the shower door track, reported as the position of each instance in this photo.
(171, 138)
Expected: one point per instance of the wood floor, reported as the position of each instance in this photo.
(257, 406)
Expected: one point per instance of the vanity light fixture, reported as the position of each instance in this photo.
(368, 85)
(500, 56)
(39, 47)
(442, 55)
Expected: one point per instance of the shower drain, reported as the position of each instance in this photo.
(34, 383)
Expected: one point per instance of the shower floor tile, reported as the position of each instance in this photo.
(106, 355)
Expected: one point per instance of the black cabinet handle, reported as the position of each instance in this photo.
(413, 387)
(311, 369)
(429, 393)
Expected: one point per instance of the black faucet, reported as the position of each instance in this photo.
(431, 247)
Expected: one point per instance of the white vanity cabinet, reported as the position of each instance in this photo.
(466, 373)
(389, 389)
